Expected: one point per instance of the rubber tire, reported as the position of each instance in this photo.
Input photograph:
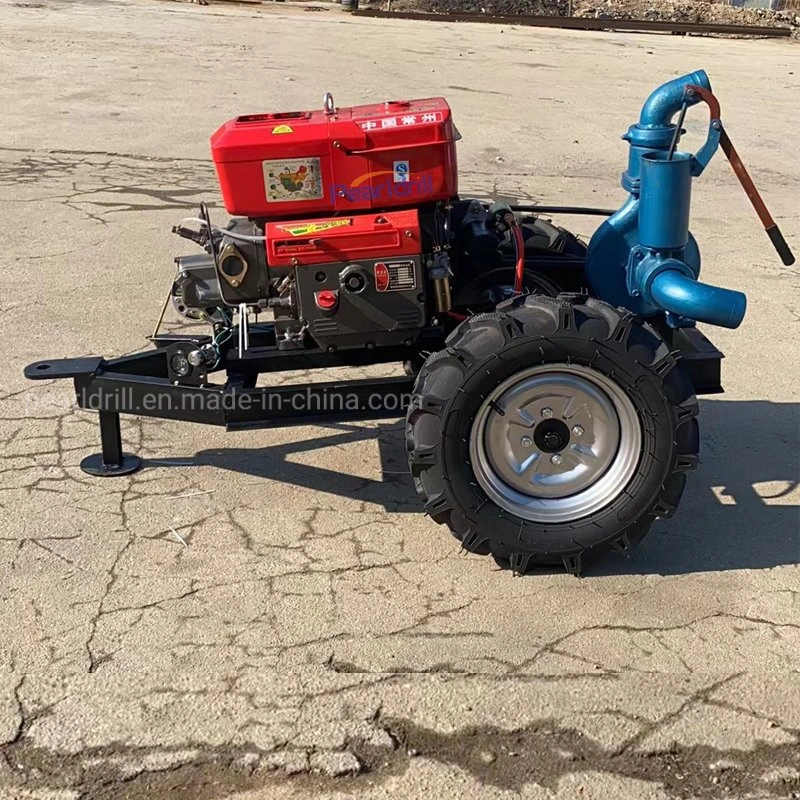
(487, 349)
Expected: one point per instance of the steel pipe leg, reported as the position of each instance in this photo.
(111, 461)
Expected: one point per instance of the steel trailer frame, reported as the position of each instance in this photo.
(144, 384)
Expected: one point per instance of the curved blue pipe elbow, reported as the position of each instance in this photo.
(678, 293)
(666, 101)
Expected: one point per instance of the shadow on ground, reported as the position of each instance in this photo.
(728, 518)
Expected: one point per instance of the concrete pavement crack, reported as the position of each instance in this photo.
(695, 698)
(93, 662)
(553, 646)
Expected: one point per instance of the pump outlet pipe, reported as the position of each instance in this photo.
(679, 294)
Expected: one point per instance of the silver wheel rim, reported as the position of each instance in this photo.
(555, 443)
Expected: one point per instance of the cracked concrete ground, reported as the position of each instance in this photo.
(309, 633)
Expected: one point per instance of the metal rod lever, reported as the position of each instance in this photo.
(163, 312)
(244, 331)
(770, 226)
(677, 135)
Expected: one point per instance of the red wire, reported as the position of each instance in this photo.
(519, 248)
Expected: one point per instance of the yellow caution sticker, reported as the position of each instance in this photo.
(308, 228)
(282, 129)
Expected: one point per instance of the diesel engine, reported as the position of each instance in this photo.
(351, 232)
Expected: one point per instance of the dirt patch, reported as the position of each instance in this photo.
(542, 753)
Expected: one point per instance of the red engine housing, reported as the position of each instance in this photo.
(309, 163)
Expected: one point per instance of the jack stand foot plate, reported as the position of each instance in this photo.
(93, 465)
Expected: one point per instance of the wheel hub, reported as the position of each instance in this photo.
(551, 435)
(555, 442)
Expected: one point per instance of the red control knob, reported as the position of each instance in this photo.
(327, 299)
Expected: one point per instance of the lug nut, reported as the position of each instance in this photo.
(556, 459)
(547, 413)
(577, 430)
(526, 441)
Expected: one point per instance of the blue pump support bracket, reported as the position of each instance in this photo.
(702, 157)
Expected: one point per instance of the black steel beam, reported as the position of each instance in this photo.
(54, 369)
(306, 404)
(140, 384)
(237, 407)
(146, 396)
(701, 360)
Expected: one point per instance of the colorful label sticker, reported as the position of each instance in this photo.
(306, 228)
(402, 173)
(382, 186)
(282, 129)
(293, 179)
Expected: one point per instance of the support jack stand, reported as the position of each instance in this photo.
(111, 462)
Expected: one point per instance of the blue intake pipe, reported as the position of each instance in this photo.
(679, 294)
(655, 129)
(666, 101)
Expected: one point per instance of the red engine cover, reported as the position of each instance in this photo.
(300, 163)
(342, 239)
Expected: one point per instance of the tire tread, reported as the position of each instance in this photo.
(630, 349)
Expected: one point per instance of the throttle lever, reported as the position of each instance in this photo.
(770, 226)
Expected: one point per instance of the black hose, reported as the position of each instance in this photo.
(589, 212)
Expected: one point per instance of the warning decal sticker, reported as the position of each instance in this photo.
(306, 228)
(292, 179)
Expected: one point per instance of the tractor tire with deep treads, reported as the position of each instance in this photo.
(567, 380)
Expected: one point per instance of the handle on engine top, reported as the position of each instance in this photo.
(393, 148)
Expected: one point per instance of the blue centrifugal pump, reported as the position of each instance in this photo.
(644, 257)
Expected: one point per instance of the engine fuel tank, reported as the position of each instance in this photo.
(397, 153)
